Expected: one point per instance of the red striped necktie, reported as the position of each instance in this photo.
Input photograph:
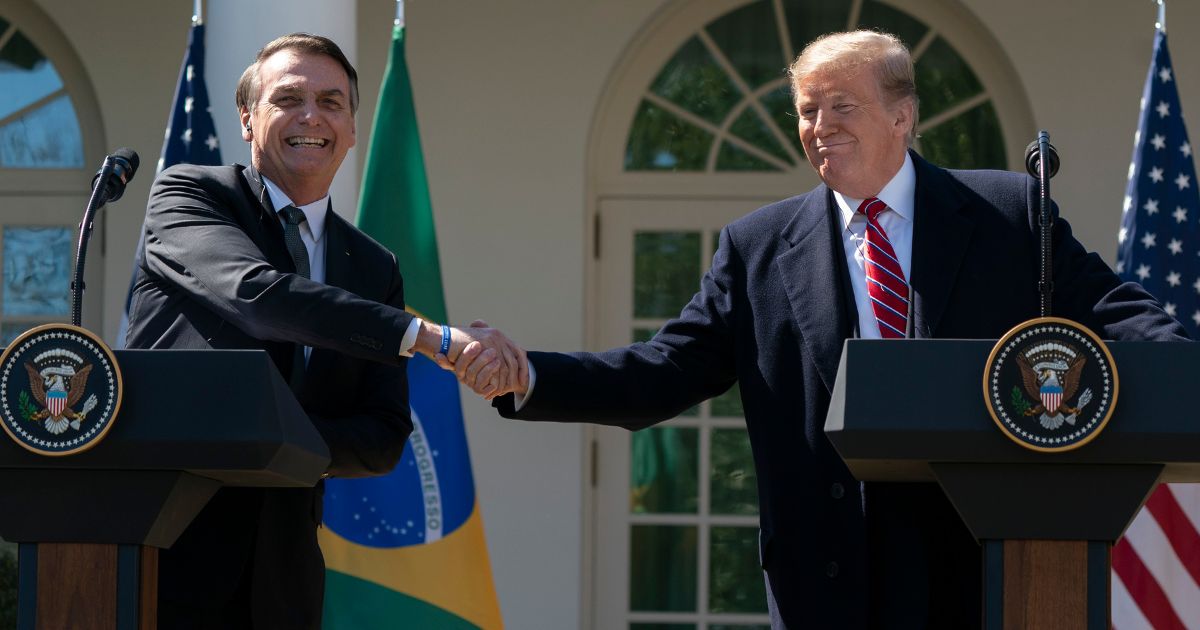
(886, 285)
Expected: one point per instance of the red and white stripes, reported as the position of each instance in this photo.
(886, 286)
(1156, 566)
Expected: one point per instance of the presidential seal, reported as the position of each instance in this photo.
(60, 389)
(1050, 384)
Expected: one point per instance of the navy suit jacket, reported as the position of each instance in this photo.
(214, 273)
(772, 315)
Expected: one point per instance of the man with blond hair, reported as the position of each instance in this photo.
(888, 246)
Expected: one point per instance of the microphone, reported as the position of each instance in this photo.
(1033, 160)
(124, 165)
(107, 185)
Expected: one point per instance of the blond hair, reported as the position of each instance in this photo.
(844, 52)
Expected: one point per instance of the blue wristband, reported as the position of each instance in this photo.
(445, 340)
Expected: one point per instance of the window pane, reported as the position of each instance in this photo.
(663, 470)
(779, 103)
(735, 577)
(750, 127)
(659, 141)
(646, 334)
(732, 477)
(37, 268)
(732, 158)
(47, 137)
(808, 20)
(25, 75)
(729, 404)
(883, 17)
(970, 140)
(943, 79)
(693, 80)
(749, 38)
(666, 268)
(662, 568)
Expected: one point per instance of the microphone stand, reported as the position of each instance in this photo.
(98, 199)
(1045, 223)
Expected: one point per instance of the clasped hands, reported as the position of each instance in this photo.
(484, 359)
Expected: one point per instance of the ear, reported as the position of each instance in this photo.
(244, 119)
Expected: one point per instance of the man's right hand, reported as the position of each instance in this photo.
(483, 358)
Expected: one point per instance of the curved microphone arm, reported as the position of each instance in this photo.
(99, 198)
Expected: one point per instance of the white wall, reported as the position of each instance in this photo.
(506, 93)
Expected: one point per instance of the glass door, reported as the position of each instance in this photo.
(676, 526)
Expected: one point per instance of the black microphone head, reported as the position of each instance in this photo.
(130, 156)
(125, 163)
(1033, 159)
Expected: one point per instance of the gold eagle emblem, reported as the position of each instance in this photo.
(58, 391)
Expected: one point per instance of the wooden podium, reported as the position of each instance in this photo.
(90, 524)
(1047, 521)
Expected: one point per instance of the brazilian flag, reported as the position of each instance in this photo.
(407, 549)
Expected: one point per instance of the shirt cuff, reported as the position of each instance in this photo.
(410, 337)
(519, 400)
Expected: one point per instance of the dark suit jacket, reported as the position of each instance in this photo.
(215, 273)
(772, 314)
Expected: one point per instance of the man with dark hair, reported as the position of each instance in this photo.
(888, 246)
(254, 257)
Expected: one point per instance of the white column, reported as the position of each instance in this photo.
(237, 30)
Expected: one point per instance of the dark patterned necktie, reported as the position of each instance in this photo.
(292, 218)
(886, 285)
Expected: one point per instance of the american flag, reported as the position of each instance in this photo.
(191, 136)
(1156, 566)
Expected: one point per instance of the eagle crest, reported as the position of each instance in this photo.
(57, 391)
(1050, 374)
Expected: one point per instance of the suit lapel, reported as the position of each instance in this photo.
(941, 233)
(269, 234)
(812, 280)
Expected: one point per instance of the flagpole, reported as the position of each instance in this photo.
(399, 23)
(197, 12)
(1161, 24)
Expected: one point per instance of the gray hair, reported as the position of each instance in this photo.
(249, 87)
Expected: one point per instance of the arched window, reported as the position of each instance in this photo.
(49, 133)
(696, 128)
(723, 103)
(38, 126)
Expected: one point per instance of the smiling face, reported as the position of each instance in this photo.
(301, 124)
(853, 138)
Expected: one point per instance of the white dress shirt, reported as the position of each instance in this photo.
(312, 232)
(900, 196)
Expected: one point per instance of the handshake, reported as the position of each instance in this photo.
(483, 358)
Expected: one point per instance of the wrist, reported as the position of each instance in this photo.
(429, 339)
